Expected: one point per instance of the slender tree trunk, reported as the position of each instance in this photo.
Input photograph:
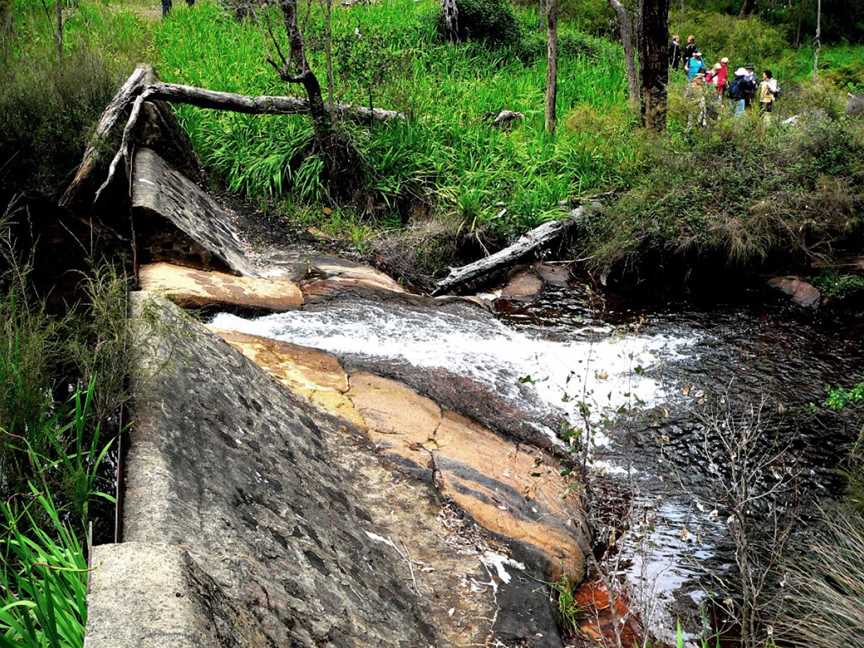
(5, 18)
(625, 24)
(654, 62)
(58, 29)
(551, 64)
(328, 49)
(451, 19)
(747, 8)
(321, 120)
(817, 40)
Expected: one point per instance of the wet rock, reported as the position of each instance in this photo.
(524, 284)
(802, 293)
(187, 287)
(555, 275)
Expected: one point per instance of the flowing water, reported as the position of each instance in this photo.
(637, 381)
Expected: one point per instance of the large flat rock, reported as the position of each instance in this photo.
(189, 287)
(252, 518)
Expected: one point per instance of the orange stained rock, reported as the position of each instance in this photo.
(394, 413)
(313, 374)
(514, 491)
(189, 287)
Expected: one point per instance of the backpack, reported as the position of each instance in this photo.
(735, 90)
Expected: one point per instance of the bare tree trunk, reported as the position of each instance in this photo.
(328, 50)
(654, 62)
(451, 19)
(747, 8)
(817, 40)
(58, 29)
(5, 18)
(551, 64)
(625, 24)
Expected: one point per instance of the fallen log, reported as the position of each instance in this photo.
(96, 148)
(528, 243)
(141, 87)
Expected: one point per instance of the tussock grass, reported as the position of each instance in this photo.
(447, 154)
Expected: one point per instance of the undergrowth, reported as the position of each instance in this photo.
(447, 154)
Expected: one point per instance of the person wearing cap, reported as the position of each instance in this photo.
(723, 76)
(696, 66)
(751, 86)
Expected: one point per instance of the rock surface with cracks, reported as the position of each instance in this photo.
(252, 518)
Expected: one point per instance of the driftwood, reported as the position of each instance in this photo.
(528, 243)
(141, 88)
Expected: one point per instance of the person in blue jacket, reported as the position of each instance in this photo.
(695, 66)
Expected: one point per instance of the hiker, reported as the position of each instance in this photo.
(768, 91)
(711, 75)
(750, 86)
(696, 66)
(723, 77)
(675, 52)
(736, 91)
(166, 6)
(689, 51)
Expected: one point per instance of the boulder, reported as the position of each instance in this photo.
(522, 285)
(855, 105)
(802, 293)
(188, 287)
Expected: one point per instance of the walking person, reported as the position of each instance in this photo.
(750, 86)
(675, 52)
(723, 77)
(767, 92)
(689, 51)
(696, 66)
(736, 91)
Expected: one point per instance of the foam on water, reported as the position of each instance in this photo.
(595, 365)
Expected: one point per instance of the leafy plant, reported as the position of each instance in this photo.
(569, 610)
(839, 398)
(43, 577)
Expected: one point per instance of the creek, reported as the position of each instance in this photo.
(639, 380)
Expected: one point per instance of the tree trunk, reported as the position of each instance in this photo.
(451, 19)
(625, 24)
(817, 40)
(551, 64)
(654, 62)
(58, 29)
(747, 8)
(328, 51)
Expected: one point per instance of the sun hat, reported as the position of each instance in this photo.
(724, 60)
(697, 53)
(740, 72)
(717, 66)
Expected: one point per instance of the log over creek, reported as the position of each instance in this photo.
(319, 457)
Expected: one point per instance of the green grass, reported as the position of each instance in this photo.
(43, 576)
(446, 154)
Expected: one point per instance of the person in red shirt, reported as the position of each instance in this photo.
(723, 76)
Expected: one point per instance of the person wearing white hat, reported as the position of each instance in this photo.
(736, 91)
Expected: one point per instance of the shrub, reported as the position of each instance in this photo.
(490, 21)
(743, 40)
(741, 191)
(824, 598)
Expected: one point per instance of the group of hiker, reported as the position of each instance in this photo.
(743, 89)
